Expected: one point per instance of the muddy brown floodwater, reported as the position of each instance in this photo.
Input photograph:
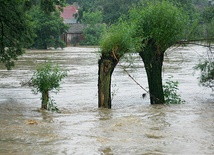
(131, 127)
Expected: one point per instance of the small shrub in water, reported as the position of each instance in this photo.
(47, 78)
(170, 92)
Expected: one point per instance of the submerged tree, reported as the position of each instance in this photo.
(47, 78)
(159, 25)
(114, 44)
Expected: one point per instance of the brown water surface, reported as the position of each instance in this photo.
(132, 126)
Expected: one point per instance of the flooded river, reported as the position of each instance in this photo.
(131, 127)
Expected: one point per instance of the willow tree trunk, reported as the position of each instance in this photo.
(106, 68)
(45, 99)
(153, 62)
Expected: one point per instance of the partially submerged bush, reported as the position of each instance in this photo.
(206, 68)
(170, 92)
(47, 78)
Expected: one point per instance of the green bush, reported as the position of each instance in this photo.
(206, 68)
(170, 89)
(47, 78)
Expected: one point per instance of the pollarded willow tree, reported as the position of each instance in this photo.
(160, 25)
(114, 44)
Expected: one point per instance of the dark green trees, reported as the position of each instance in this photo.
(93, 27)
(113, 9)
(206, 65)
(48, 28)
(15, 31)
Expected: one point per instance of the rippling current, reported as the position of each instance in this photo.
(131, 127)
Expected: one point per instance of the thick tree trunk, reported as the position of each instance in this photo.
(106, 68)
(153, 61)
(45, 98)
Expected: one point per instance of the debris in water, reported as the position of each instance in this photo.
(144, 95)
(31, 122)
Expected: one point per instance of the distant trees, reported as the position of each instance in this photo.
(206, 65)
(48, 28)
(113, 9)
(93, 27)
(47, 24)
(17, 31)
(208, 22)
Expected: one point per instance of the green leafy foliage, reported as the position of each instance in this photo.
(93, 28)
(15, 31)
(48, 29)
(161, 21)
(47, 77)
(52, 105)
(92, 34)
(170, 89)
(206, 68)
(92, 17)
(208, 14)
(117, 39)
(208, 23)
(113, 9)
(49, 6)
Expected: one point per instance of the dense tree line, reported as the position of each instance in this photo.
(112, 10)
(48, 28)
(27, 24)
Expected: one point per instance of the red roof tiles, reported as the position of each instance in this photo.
(68, 12)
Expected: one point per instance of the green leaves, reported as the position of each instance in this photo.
(206, 69)
(170, 89)
(15, 31)
(162, 22)
(93, 28)
(48, 28)
(117, 39)
(92, 17)
(49, 6)
(47, 78)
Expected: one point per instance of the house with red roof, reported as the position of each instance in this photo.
(74, 34)
(68, 14)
